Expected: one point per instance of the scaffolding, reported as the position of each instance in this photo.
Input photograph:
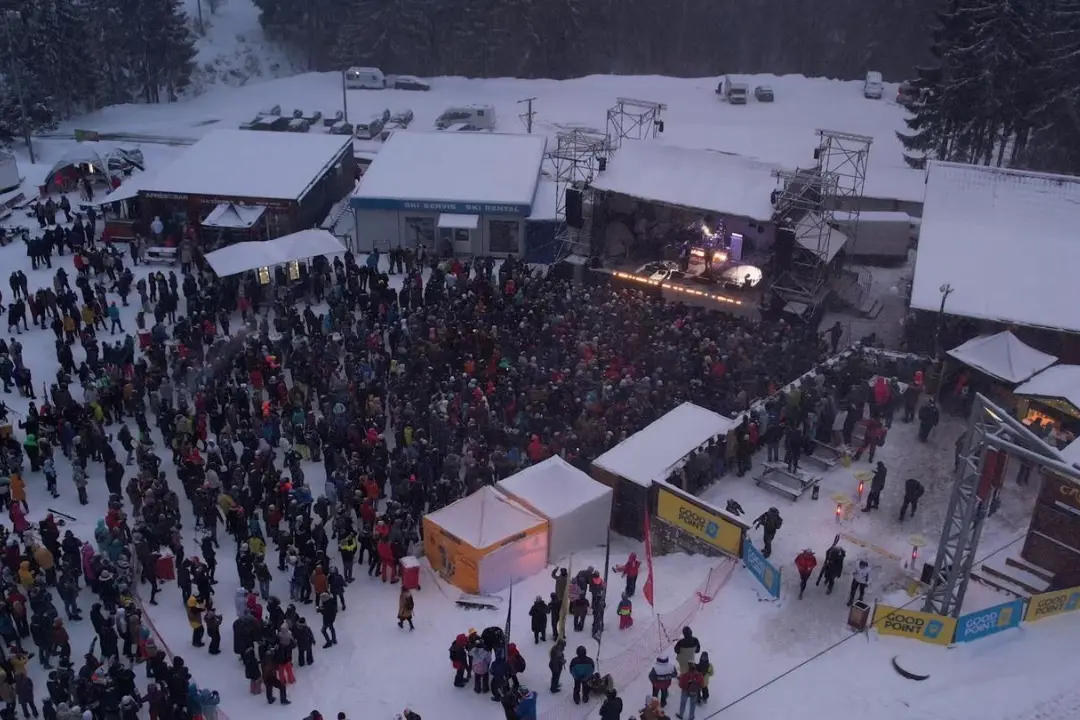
(578, 155)
(805, 201)
(630, 119)
(989, 429)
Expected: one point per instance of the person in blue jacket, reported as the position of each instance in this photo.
(581, 669)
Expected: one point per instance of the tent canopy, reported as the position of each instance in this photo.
(578, 508)
(240, 257)
(1003, 356)
(1060, 382)
(485, 519)
(234, 216)
(651, 453)
(79, 155)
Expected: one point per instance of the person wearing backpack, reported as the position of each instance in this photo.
(515, 665)
(459, 659)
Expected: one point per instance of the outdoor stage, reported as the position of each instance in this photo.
(728, 290)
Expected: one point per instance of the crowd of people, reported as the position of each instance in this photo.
(408, 397)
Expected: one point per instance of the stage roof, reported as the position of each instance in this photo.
(701, 179)
(1004, 241)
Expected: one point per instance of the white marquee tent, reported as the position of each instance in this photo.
(1003, 356)
(577, 508)
(486, 541)
(239, 257)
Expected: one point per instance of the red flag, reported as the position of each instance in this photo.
(647, 588)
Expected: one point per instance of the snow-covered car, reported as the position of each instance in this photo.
(402, 119)
(409, 82)
(763, 93)
(659, 271)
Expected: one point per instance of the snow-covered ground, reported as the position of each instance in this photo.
(782, 132)
(231, 47)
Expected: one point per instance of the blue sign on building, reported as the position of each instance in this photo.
(760, 567)
(989, 621)
(456, 208)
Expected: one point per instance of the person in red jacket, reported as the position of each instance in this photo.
(873, 437)
(805, 562)
(388, 561)
(630, 570)
(690, 684)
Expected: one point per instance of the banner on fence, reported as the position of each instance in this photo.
(700, 520)
(761, 568)
(1049, 604)
(992, 620)
(928, 627)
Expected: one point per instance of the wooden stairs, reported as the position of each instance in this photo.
(1013, 576)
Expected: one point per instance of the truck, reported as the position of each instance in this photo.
(884, 237)
(733, 90)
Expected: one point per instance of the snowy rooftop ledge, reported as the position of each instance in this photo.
(1004, 241)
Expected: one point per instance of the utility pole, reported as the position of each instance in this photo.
(10, 17)
(527, 116)
(344, 98)
(946, 290)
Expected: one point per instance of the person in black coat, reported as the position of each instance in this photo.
(913, 490)
(832, 568)
(928, 420)
(538, 616)
(305, 642)
(612, 707)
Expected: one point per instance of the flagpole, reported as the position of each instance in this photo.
(603, 597)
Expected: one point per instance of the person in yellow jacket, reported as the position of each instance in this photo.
(26, 577)
(347, 547)
(88, 316)
(18, 490)
(45, 560)
(257, 545)
(195, 610)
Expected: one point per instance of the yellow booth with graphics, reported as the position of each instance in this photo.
(486, 541)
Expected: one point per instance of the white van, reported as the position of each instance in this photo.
(873, 86)
(365, 78)
(371, 128)
(482, 117)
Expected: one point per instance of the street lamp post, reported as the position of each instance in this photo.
(946, 290)
(12, 16)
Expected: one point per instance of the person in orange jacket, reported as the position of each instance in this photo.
(805, 562)
(319, 582)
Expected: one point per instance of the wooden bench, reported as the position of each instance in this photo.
(161, 254)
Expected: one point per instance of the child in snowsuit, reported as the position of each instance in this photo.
(625, 612)
(706, 669)
(661, 676)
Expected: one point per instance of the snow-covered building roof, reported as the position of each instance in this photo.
(554, 487)
(651, 453)
(706, 180)
(1003, 356)
(545, 205)
(1004, 241)
(1057, 382)
(454, 172)
(485, 518)
(234, 215)
(250, 164)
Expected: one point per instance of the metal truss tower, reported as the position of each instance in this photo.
(989, 428)
(802, 206)
(845, 155)
(630, 119)
(577, 157)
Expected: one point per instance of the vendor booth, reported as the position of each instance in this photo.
(576, 507)
(1000, 361)
(485, 542)
(1053, 538)
(282, 258)
(653, 454)
(1052, 400)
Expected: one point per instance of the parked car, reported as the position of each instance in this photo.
(482, 116)
(298, 125)
(409, 82)
(341, 128)
(274, 110)
(873, 86)
(365, 78)
(763, 93)
(732, 90)
(330, 119)
(403, 118)
(370, 129)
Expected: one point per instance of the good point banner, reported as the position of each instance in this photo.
(927, 627)
(992, 620)
(761, 568)
(1052, 603)
(695, 519)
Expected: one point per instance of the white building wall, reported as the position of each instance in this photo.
(386, 229)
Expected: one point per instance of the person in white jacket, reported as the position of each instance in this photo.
(860, 578)
(480, 657)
